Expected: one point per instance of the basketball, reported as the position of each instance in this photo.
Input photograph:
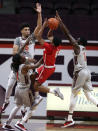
(53, 23)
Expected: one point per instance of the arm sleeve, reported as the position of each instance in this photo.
(17, 41)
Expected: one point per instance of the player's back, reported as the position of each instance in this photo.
(50, 54)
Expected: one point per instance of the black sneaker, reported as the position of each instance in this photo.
(7, 127)
(5, 105)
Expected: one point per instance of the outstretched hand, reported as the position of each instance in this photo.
(38, 8)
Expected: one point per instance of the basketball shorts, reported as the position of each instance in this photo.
(23, 96)
(82, 79)
(44, 73)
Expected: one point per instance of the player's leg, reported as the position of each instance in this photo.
(90, 97)
(41, 88)
(27, 101)
(88, 88)
(10, 85)
(20, 124)
(78, 82)
(36, 95)
(30, 111)
(11, 116)
(43, 75)
(73, 100)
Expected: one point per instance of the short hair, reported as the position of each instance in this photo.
(83, 41)
(56, 41)
(16, 61)
(23, 25)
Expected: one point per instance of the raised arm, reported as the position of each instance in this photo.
(68, 34)
(39, 20)
(40, 33)
(39, 25)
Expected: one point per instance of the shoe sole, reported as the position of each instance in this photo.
(8, 129)
(68, 125)
(19, 128)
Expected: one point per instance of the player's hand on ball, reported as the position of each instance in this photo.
(53, 23)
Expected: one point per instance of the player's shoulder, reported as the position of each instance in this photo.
(17, 38)
(46, 44)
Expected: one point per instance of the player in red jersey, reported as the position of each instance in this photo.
(49, 56)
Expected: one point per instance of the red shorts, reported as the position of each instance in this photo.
(44, 73)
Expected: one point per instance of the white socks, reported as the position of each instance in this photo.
(70, 117)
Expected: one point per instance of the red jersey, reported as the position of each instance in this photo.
(50, 53)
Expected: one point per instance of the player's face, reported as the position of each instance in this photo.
(25, 31)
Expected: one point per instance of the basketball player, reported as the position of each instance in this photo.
(28, 51)
(43, 72)
(81, 74)
(49, 56)
(23, 94)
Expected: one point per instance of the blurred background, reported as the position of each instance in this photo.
(81, 16)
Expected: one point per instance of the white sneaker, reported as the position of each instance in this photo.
(37, 100)
(19, 126)
(58, 93)
(7, 127)
(67, 124)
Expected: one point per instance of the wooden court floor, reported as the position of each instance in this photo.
(55, 125)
